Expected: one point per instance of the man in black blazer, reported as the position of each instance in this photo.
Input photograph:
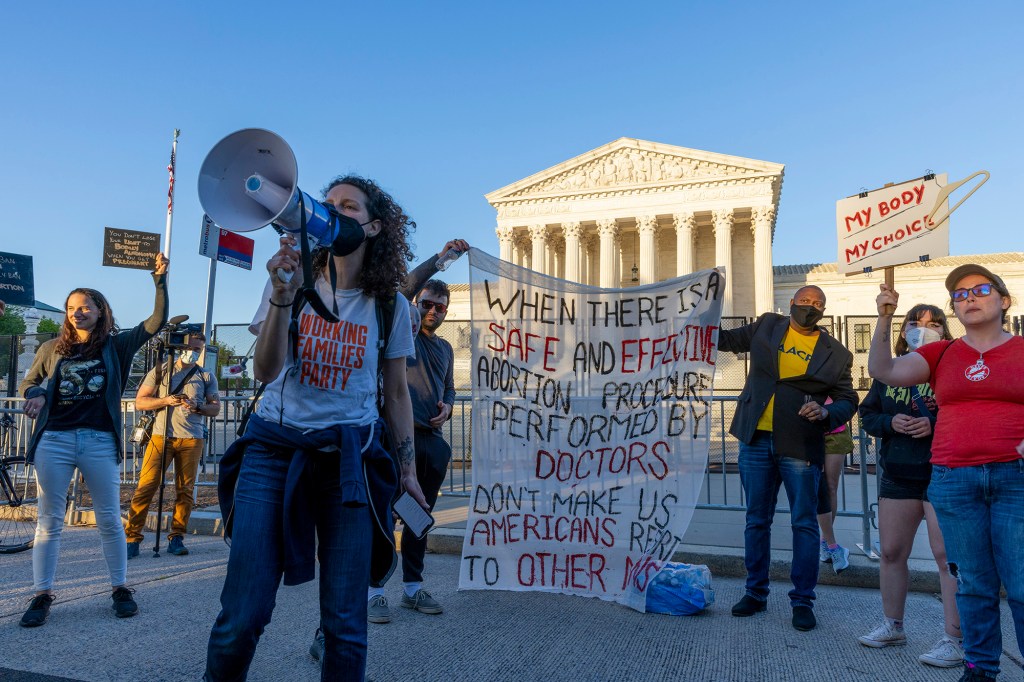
(781, 423)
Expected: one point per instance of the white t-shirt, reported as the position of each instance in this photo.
(334, 380)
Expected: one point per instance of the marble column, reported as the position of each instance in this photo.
(505, 243)
(572, 251)
(609, 232)
(648, 227)
(589, 245)
(539, 238)
(762, 219)
(686, 229)
(723, 254)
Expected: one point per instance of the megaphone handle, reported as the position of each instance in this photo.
(284, 275)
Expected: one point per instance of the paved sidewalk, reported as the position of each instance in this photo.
(482, 636)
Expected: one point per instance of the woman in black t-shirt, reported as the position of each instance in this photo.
(78, 425)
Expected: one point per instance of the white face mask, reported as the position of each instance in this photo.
(189, 356)
(920, 336)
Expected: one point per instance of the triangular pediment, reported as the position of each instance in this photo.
(629, 164)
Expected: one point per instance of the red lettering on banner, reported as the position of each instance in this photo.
(514, 342)
(566, 571)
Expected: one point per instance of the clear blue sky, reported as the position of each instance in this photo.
(442, 102)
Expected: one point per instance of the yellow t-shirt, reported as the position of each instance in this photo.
(794, 355)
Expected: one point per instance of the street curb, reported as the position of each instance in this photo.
(723, 561)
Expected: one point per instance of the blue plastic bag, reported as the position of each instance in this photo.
(680, 590)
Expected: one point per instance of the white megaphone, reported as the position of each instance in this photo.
(250, 179)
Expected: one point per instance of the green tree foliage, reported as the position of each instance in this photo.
(12, 323)
(48, 326)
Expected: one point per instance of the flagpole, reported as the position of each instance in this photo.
(170, 194)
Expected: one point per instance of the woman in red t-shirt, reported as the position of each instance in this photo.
(977, 485)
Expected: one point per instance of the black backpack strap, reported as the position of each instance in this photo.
(385, 310)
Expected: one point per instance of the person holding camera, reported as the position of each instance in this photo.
(78, 425)
(193, 398)
(311, 471)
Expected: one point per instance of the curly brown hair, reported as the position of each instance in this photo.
(105, 327)
(387, 254)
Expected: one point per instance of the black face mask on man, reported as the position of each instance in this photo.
(348, 234)
(805, 315)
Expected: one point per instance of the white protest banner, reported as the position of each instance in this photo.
(590, 424)
(888, 226)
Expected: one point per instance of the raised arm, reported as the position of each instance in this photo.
(907, 370)
(418, 276)
(272, 343)
(158, 318)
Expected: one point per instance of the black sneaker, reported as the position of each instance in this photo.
(973, 674)
(38, 610)
(748, 606)
(803, 618)
(316, 649)
(124, 605)
(133, 548)
(177, 546)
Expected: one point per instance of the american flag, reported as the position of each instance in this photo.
(170, 184)
(170, 173)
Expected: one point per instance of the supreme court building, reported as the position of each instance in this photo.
(634, 212)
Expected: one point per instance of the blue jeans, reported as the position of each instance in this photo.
(94, 453)
(981, 513)
(255, 568)
(762, 471)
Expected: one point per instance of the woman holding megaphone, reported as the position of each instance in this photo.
(314, 472)
(78, 425)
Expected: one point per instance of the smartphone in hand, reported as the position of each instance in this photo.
(416, 519)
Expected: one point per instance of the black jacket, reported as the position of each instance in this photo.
(828, 376)
(901, 456)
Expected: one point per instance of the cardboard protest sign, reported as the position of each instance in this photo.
(224, 246)
(888, 226)
(590, 426)
(130, 249)
(17, 285)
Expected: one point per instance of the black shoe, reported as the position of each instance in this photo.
(124, 604)
(177, 547)
(973, 674)
(803, 618)
(38, 610)
(748, 606)
(316, 649)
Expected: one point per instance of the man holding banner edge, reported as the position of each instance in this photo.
(781, 423)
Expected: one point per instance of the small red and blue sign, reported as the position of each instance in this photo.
(226, 247)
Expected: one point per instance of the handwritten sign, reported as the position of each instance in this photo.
(888, 226)
(224, 246)
(130, 249)
(590, 425)
(16, 281)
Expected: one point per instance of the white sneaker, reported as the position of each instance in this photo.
(823, 555)
(884, 635)
(947, 653)
(840, 559)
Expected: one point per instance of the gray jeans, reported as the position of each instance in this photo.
(58, 454)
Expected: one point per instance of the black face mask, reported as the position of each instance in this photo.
(805, 315)
(348, 234)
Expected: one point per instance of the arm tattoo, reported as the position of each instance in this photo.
(406, 453)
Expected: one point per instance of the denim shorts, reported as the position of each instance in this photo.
(902, 488)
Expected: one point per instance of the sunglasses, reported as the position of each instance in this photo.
(978, 290)
(441, 308)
